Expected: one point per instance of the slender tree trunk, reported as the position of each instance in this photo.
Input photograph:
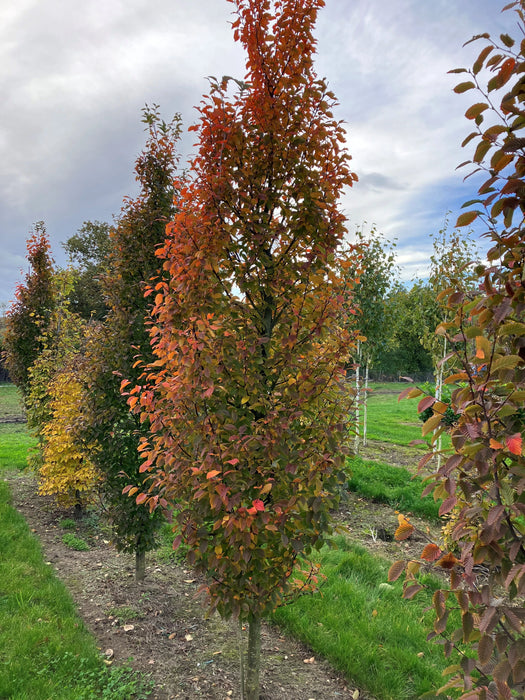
(357, 397)
(241, 661)
(79, 510)
(253, 664)
(140, 565)
(365, 402)
(439, 395)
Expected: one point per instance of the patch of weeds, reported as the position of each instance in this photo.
(67, 524)
(91, 521)
(74, 542)
(125, 613)
(165, 551)
(98, 682)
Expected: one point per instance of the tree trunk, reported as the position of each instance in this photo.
(438, 396)
(365, 402)
(357, 397)
(79, 510)
(253, 663)
(140, 566)
(241, 661)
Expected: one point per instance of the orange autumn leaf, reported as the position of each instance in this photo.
(405, 529)
(449, 561)
(431, 552)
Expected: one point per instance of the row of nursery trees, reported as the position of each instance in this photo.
(400, 317)
(195, 362)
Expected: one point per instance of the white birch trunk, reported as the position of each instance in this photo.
(365, 402)
(357, 398)
(438, 395)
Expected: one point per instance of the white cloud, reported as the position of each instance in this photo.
(75, 76)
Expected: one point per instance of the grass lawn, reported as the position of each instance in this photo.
(390, 420)
(360, 623)
(10, 401)
(46, 651)
(14, 444)
(395, 486)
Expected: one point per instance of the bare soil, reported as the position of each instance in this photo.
(161, 623)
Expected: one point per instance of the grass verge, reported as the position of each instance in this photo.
(14, 444)
(390, 420)
(10, 401)
(46, 650)
(394, 486)
(360, 623)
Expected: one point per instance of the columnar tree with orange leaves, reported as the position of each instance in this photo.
(246, 401)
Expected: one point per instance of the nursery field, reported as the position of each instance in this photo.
(75, 624)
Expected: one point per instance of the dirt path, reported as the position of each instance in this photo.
(161, 625)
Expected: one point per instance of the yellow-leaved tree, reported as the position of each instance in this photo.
(67, 473)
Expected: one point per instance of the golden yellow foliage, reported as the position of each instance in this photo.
(67, 471)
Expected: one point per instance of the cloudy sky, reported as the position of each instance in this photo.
(75, 75)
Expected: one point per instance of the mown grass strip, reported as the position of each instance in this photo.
(361, 624)
(14, 444)
(46, 651)
(394, 486)
(390, 420)
(38, 623)
(10, 401)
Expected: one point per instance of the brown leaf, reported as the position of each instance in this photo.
(485, 648)
(411, 591)
(463, 87)
(404, 531)
(502, 671)
(395, 570)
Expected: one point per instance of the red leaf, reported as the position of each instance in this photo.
(425, 403)
(411, 591)
(447, 505)
(514, 444)
(212, 473)
(258, 504)
(141, 498)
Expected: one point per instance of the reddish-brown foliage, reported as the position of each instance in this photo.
(246, 398)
